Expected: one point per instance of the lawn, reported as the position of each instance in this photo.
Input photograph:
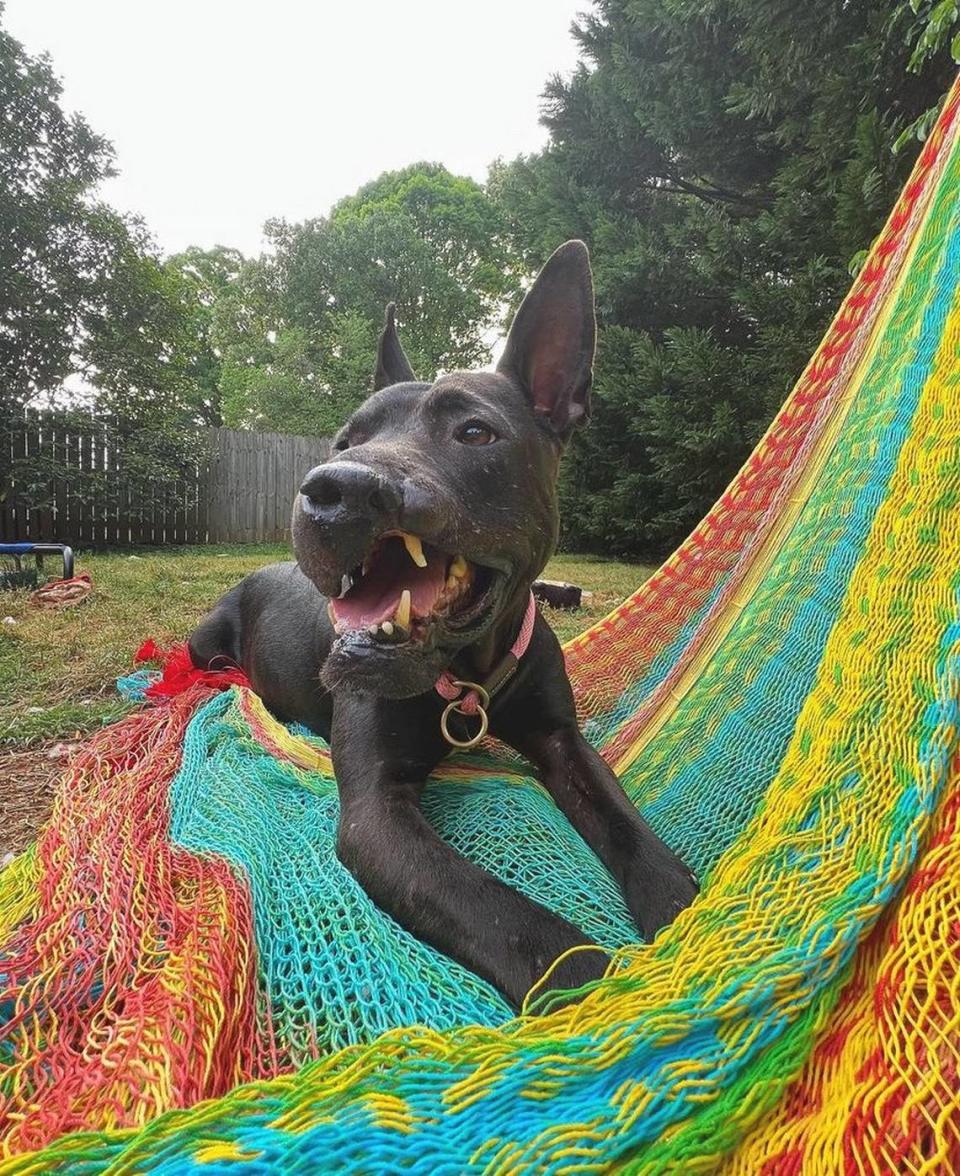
(57, 670)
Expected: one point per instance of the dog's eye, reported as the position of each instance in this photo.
(475, 433)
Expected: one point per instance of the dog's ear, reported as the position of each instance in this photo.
(549, 350)
(393, 367)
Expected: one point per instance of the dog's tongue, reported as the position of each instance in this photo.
(376, 597)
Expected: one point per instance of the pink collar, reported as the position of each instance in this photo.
(473, 698)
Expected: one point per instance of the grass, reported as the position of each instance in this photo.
(609, 582)
(57, 669)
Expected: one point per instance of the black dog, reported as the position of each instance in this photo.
(424, 530)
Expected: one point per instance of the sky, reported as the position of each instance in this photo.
(224, 113)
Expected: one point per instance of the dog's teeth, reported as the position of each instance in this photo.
(331, 614)
(414, 548)
(458, 568)
(387, 627)
(346, 583)
(373, 630)
(402, 615)
(452, 581)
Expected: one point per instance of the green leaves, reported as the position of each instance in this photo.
(936, 24)
(298, 330)
(82, 291)
(725, 162)
(53, 239)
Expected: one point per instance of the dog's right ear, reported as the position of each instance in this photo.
(393, 367)
(549, 350)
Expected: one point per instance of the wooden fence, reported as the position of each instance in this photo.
(69, 484)
(251, 481)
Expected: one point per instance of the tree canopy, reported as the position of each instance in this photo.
(298, 330)
(727, 162)
(55, 241)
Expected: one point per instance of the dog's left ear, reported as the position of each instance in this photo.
(549, 350)
(393, 367)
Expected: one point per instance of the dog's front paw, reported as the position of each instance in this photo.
(659, 888)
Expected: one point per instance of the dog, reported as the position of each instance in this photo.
(416, 543)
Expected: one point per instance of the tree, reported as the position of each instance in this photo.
(930, 26)
(82, 291)
(147, 347)
(51, 232)
(277, 373)
(199, 279)
(298, 329)
(726, 161)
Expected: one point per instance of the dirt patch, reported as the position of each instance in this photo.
(26, 792)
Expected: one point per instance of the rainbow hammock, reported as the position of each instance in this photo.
(189, 980)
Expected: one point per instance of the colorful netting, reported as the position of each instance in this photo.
(781, 699)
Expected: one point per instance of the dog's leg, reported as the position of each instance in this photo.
(537, 717)
(383, 751)
(655, 882)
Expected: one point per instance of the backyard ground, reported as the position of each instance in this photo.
(57, 670)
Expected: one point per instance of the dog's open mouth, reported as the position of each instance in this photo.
(404, 587)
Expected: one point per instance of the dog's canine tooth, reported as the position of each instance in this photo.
(414, 546)
(402, 615)
(331, 614)
(458, 567)
(346, 583)
(452, 581)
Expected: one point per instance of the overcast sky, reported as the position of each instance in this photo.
(225, 112)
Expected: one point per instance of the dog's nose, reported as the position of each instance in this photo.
(350, 489)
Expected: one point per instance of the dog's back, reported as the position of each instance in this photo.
(273, 625)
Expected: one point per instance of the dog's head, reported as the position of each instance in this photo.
(438, 505)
